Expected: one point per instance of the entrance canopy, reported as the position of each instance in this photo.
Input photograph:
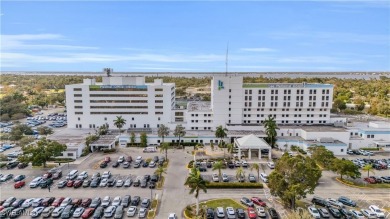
(251, 142)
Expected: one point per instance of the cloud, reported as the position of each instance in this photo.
(163, 68)
(258, 49)
(319, 59)
(23, 42)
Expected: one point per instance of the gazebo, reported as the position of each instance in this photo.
(251, 142)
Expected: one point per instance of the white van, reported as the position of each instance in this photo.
(150, 149)
(264, 177)
(72, 174)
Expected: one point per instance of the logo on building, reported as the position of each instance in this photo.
(220, 85)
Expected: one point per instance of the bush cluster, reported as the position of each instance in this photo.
(370, 149)
(235, 185)
(106, 151)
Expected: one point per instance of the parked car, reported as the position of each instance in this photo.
(335, 203)
(230, 213)
(261, 212)
(27, 203)
(46, 183)
(346, 214)
(357, 214)
(264, 177)
(135, 201)
(251, 213)
(19, 184)
(36, 212)
(346, 201)
(379, 213)
(220, 212)
(86, 202)
(95, 202)
(258, 201)
(142, 213)
(215, 177)
(247, 202)
(15, 213)
(225, 177)
(68, 212)
(132, 211)
(106, 201)
(369, 214)
(128, 182)
(145, 203)
(98, 213)
(273, 213)
(314, 212)
(118, 212)
(86, 183)
(57, 202)
(109, 211)
(271, 165)
(78, 212)
(62, 184)
(57, 212)
(87, 213)
(6, 177)
(335, 212)
(117, 201)
(19, 178)
(47, 201)
(323, 212)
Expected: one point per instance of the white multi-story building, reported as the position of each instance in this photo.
(142, 105)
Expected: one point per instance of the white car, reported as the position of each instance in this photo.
(36, 202)
(230, 212)
(152, 164)
(220, 213)
(36, 211)
(264, 177)
(106, 201)
(117, 201)
(131, 211)
(57, 211)
(314, 212)
(357, 214)
(27, 203)
(139, 158)
(106, 175)
(109, 211)
(119, 183)
(369, 214)
(104, 182)
(215, 177)
(335, 203)
(121, 159)
(36, 182)
(379, 213)
(78, 212)
(244, 163)
(271, 165)
(83, 175)
(261, 212)
(66, 202)
(172, 216)
(142, 213)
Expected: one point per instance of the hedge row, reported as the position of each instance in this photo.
(233, 185)
(106, 151)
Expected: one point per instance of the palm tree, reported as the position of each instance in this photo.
(119, 122)
(230, 148)
(240, 173)
(256, 167)
(162, 132)
(220, 133)
(160, 171)
(179, 132)
(196, 183)
(164, 147)
(368, 168)
(218, 166)
(270, 129)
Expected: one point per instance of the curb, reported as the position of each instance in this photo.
(349, 185)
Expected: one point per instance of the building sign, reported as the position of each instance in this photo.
(220, 85)
(118, 86)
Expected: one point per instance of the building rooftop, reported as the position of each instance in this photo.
(315, 128)
(199, 106)
(105, 140)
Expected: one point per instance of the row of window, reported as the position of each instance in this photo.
(299, 91)
(200, 128)
(118, 107)
(283, 122)
(116, 95)
(283, 109)
(205, 115)
(205, 121)
(96, 113)
(284, 115)
(118, 89)
(118, 101)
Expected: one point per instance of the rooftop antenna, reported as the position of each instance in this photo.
(227, 56)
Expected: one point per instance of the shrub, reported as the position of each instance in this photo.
(370, 149)
(2, 165)
(106, 151)
(236, 185)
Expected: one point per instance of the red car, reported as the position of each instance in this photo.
(87, 213)
(19, 184)
(1, 208)
(70, 183)
(57, 202)
(76, 202)
(370, 180)
(78, 183)
(252, 213)
(107, 159)
(258, 201)
(47, 175)
(86, 202)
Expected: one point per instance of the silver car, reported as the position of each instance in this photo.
(142, 213)
(131, 211)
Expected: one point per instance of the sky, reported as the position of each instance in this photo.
(195, 36)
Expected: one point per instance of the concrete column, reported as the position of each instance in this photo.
(259, 154)
(269, 154)
(239, 153)
(250, 153)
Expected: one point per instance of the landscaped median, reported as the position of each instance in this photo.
(362, 185)
(189, 211)
(233, 185)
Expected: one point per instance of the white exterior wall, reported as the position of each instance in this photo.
(341, 136)
(150, 119)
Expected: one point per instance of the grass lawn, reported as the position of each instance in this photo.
(222, 203)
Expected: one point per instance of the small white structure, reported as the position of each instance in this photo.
(73, 150)
(103, 143)
(251, 142)
(123, 140)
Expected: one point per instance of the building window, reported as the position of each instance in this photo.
(77, 95)
(76, 89)
(78, 118)
(105, 118)
(78, 101)
(70, 154)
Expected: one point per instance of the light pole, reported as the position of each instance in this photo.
(151, 197)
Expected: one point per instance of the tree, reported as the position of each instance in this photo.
(119, 122)
(345, 168)
(132, 138)
(230, 147)
(44, 130)
(368, 168)
(339, 104)
(270, 130)
(103, 129)
(218, 166)
(25, 140)
(160, 171)
(212, 146)
(43, 151)
(322, 155)
(162, 132)
(221, 133)
(293, 178)
(256, 167)
(240, 173)
(144, 139)
(179, 132)
(196, 184)
(164, 147)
